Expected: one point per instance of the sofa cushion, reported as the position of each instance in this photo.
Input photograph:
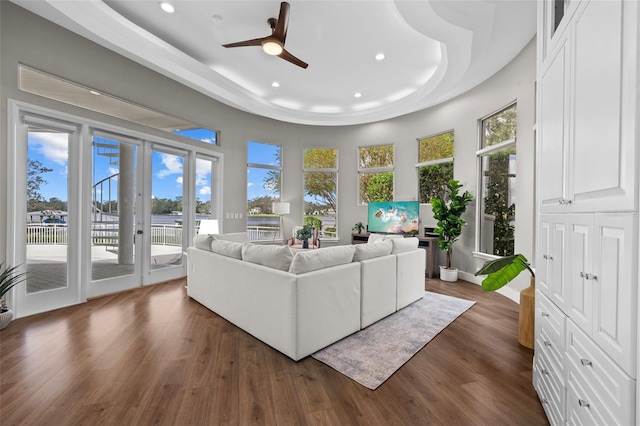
(203, 241)
(312, 260)
(277, 257)
(404, 244)
(373, 238)
(238, 237)
(227, 248)
(369, 251)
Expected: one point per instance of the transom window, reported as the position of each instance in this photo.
(375, 173)
(497, 165)
(435, 165)
(320, 173)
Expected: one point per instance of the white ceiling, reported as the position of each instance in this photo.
(434, 50)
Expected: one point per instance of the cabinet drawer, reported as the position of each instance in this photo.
(550, 405)
(550, 318)
(603, 382)
(583, 410)
(553, 379)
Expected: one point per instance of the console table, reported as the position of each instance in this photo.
(429, 244)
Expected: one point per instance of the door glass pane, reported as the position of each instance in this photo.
(113, 199)
(167, 176)
(47, 209)
(204, 199)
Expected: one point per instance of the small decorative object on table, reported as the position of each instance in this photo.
(358, 227)
(499, 272)
(304, 234)
(9, 278)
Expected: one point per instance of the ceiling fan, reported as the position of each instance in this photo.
(274, 44)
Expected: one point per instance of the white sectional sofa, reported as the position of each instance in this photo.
(299, 302)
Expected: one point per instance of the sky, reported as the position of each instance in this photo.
(51, 149)
(260, 153)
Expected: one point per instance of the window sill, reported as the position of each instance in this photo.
(485, 256)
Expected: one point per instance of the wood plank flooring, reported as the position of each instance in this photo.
(154, 356)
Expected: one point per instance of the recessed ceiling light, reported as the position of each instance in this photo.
(379, 56)
(275, 84)
(357, 94)
(94, 92)
(216, 19)
(167, 7)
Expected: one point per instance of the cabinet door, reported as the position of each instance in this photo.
(560, 290)
(602, 147)
(543, 254)
(616, 287)
(553, 132)
(580, 272)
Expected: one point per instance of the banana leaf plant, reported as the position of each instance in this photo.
(500, 271)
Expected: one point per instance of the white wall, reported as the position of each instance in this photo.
(30, 40)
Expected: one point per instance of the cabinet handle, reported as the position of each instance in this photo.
(563, 201)
(585, 362)
(545, 371)
(583, 403)
(547, 343)
(587, 276)
(544, 401)
(544, 314)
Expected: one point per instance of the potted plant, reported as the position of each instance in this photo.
(304, 234)
(499, 272)
(9, 277)
(447, 211)
(358, 227)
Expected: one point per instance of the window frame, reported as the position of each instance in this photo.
(442, 160)
(322, 170)
(482, 152)
(375, 170)
(277, 234)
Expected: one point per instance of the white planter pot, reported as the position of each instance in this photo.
(5, 318)
(450, 275)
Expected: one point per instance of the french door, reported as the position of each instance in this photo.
(95, 209)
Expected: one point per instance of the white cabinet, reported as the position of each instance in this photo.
(587, 197)
(587, 111)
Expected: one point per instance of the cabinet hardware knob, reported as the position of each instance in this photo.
(545, 371)
(544, 401)
(547, 343)
(544, 314)
(583, 403)
(585, 362)
(567, 201)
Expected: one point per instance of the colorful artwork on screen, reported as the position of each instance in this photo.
(394, 217)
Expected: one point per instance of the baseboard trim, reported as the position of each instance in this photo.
(505, 291)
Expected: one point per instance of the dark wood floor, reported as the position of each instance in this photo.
(153, 356)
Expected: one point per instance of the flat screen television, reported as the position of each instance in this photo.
(393, 217)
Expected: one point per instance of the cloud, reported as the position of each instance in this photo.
(203, 172)
(249, 184)
(205, 190)
(172, 164)
(54, 146)
(179, 180)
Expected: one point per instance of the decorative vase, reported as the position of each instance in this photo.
(527, 315)
(305, 243)
(448, 274)
(5, 318)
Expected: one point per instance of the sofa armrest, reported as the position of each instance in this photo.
(410, 277)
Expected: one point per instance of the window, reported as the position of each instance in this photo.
(435, 165)
(320, 173)
(264, 169)
(497, 165)
(375, 173)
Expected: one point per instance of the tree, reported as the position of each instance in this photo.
(272, 180)
(436, 147)
(496, 203)
(263, 203)
(376, 156)
(321, 185)
(34, 182)
(433, 179)
(376, 187)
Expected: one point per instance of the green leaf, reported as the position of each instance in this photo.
(500, 271)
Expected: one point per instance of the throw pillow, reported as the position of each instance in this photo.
(277, 257)
(369, 251)
(404, 244)
(312, 260)
(373, 238)
(227, 248)
(203, 241)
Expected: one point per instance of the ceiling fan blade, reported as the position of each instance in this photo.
(289, 57)
(254, 42)
(280, 31)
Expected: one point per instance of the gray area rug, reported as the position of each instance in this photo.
(372, 355)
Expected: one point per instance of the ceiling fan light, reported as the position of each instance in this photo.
(272, 47)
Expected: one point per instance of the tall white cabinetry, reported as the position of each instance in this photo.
(585, 359)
